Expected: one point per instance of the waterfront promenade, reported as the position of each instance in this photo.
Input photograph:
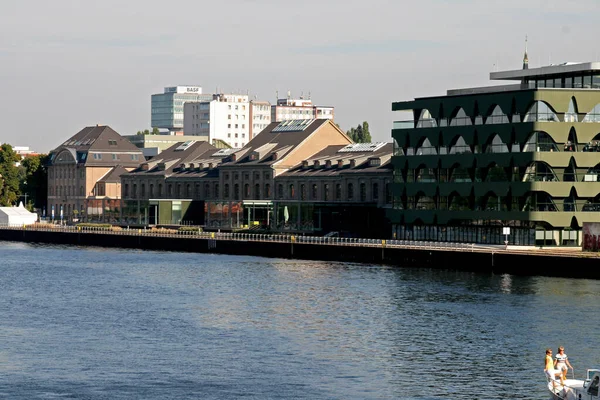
(498, 259)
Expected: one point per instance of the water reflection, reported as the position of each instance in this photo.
(130, 324)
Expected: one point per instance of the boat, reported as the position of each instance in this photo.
(576, 389)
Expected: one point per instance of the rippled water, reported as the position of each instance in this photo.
(81, 323)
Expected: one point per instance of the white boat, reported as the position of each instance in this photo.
(576, 389)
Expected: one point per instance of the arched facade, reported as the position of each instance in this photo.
(521, 157)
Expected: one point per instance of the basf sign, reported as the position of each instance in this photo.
(184, 89)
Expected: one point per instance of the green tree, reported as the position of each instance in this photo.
(366, 133)
(35, 181)
(144, 132)
(361, 133)
(9, 180)
(155, 131)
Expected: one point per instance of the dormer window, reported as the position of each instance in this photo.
(316, 163)
(182, 166)
(352, 163)
(340, 163)
(374, 162)
(192, 166)
(201, 166)
(305, 164)
(328, 164)
(253, 157)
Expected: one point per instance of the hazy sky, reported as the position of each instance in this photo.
(67, 64)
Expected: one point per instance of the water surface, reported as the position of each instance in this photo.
(93, 323)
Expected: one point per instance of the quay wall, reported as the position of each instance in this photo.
(493, 261)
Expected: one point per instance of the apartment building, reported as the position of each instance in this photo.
(226, 117)
(300, 108)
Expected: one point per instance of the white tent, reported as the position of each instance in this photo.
(17, 216)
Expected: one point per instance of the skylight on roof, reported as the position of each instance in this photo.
(293, 125)
(225, 152)
(362, 147)
(185, 145)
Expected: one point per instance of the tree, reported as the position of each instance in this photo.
(35, 181)
(155, 131)
(366, 133)
(9, 172)
(144, 132)
(361, 133)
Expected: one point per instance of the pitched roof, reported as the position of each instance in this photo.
(100, 139)
(339, 160)
(275, 138)
(169, 161)
(114, 175)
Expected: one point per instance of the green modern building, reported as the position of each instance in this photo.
(517, 162)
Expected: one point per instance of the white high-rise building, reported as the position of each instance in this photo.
(260, 116)
(226, 117)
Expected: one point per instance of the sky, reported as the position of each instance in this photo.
(67, 64)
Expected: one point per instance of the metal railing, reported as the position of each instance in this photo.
(254, 237)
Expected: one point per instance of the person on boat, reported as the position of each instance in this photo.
(549, 370)
(561, 362)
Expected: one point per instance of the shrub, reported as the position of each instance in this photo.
(92, 225)
(189, 229)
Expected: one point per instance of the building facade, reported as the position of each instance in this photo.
(513, 163)
(344, 189)
(167, 189)
(260, 116)
(301, 108)
(226, 117)
(167, 108)
(83, 175)
(302, 176)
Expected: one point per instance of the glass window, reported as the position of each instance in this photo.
(540, 111)
(569, 82)
(571, 114)
(594, 115)
(461, 119)
(558, 83)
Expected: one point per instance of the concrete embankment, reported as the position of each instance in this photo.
(474, 259)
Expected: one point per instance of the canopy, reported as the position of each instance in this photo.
(17, 216)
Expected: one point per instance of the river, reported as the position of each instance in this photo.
(95, 323)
